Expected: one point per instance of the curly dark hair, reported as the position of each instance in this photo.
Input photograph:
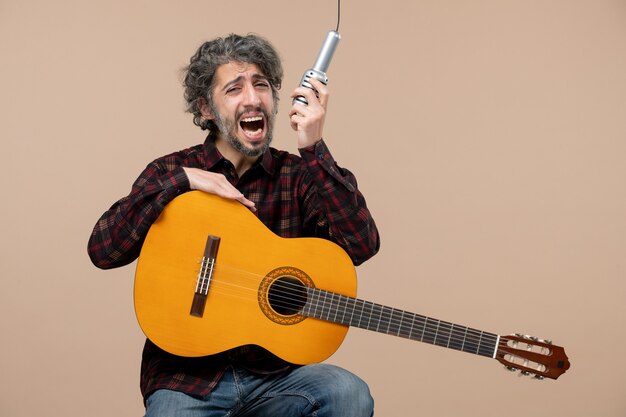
(200, 73)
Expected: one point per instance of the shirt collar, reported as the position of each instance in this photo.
(212, 157)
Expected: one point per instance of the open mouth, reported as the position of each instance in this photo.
(252, 126)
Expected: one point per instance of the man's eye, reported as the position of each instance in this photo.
(262, 85)
(232, 90)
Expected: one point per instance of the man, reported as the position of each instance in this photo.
(231, 88)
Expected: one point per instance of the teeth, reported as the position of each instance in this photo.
(256, 132)
(252, 119)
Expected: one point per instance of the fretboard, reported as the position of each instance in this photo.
(349, 311)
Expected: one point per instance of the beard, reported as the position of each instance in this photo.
(228, 129)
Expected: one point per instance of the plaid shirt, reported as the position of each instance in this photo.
(294, 196)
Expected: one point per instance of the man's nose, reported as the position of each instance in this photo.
(251, 96)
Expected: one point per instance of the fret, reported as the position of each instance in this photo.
(420, 329)
(363, 314)
(442, 338)
(430, 330)
(351, 304)
(343, 308)
(377, 311)
(406, 325)
(479, 342)
(339, 311)
(336, 306)
(330, 304)
(321, 302)
(325, 307)
(318, 300)
(488, 344)
(457, 337)
(436, 333)
(388, 318)
(470, 344)
(368, 314)
(395, 322)
(359, 307)
(464, 340)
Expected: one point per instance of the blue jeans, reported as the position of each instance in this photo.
(314, 390)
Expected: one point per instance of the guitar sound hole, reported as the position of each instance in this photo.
(287, 296)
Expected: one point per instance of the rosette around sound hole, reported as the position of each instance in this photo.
(283, 294)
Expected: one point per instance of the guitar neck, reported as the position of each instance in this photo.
(349, 311)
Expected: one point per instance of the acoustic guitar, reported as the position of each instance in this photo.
(211, 277)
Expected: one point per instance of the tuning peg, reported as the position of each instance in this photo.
(511, 368)
(533, 338)
(548, 341)
(539, 377)
(524, 373)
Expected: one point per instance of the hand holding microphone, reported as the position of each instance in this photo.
(310, 99)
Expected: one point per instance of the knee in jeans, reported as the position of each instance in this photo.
(361, 398)
(349, 389)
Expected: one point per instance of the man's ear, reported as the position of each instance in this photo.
(205, 110)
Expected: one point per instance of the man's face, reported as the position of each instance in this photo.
(243, 107)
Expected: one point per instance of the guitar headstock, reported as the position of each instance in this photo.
(532, 356)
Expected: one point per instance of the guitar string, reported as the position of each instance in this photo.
(468, 340)
(518, 361)
(425, 328)
(390, 319)
(534, 366)
(476, 339)
(296, 287)
(333, 309)
(510, 361)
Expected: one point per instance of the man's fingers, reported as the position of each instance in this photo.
(215, 183)
(227, 190)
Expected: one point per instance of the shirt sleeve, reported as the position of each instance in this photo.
(118, 235)
(339, 209)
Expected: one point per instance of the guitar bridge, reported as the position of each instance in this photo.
(204, 276)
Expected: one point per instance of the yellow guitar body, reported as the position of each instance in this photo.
(249, 260)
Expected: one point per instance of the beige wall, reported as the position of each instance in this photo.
(488, 136)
